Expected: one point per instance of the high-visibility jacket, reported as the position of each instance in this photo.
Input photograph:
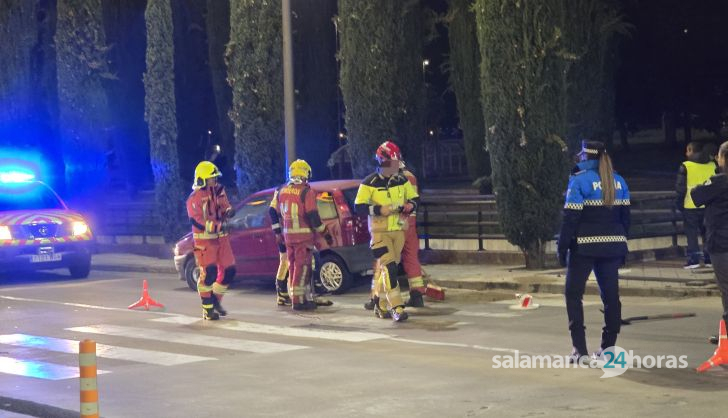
(697, 174)
(207, 209)
(299, 216)
(376, 191)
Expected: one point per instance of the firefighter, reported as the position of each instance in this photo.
(410, 252)
(593, 236)
(208, 209)
(388, 198)
(297, 211)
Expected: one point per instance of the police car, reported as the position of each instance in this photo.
(37, 230)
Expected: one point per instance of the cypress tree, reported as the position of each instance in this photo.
(84, 111)
(465, 83)
(255, 73)
(160, 114)
(381, 77)
(217, 22)
(522, 91)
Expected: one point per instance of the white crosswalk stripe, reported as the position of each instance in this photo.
(326, 334)
(102, 350)
(39, 369)
(261, 347)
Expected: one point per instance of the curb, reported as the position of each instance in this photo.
(134, 269)
(591, 288)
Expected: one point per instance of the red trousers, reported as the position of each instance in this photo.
(410, 256)
(299, 268)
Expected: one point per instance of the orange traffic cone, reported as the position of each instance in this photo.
(146, 301)
(720, 356)
(525, 301)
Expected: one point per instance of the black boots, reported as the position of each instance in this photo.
(305, 306)
(210, 314)
(415, 299)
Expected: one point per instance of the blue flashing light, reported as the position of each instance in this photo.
(15, 176)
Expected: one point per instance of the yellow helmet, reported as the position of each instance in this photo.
(299, 168)
(205, 170)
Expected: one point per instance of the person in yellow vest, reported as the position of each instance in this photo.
(695, 171)
(388, 199)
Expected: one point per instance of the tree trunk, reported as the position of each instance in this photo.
(535, 256)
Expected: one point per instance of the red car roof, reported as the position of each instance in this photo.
(325, 185)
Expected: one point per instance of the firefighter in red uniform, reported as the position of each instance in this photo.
(389, 151)
(208, 209)
(300, 219)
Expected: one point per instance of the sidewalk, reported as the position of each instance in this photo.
(663, 278)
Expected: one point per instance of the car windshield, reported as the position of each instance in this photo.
(30, 196)
(252, 214)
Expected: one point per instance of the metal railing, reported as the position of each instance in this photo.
(476, 218)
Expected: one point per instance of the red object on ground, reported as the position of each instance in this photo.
(435, 292)
(720, 356)
(146, 301)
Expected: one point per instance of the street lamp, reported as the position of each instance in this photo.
(425, 64)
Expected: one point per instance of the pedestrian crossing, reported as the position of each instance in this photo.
(53, 357)
(47, 357)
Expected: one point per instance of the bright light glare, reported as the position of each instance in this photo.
(79, 228)
(16, 177)
(5, 233)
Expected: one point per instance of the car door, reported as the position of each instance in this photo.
(252, 239)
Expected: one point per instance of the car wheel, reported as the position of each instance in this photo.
(80, 270)
(333, 275)
(192, 273)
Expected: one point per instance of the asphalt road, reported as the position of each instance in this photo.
(337, 362)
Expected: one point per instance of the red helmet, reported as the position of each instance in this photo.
(388, 151)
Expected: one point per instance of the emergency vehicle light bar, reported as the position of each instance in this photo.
(16, 177)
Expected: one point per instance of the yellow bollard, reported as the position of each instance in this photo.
(89, 390)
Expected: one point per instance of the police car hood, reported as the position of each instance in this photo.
(39, 216)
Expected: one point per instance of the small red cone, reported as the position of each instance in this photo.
(525, 301)
(720, 356)
(146, 301)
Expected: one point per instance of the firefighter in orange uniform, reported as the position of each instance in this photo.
(300, 221)
(208, 209)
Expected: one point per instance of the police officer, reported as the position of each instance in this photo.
(388, 198)
(208, 209)
(594, 237)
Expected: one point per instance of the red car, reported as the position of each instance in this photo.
(256, 252)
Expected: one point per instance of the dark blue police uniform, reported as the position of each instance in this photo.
(595, 238)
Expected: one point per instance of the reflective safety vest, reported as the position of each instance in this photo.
(206, 208)
(698, 173)
(376, 191)
(299, 214)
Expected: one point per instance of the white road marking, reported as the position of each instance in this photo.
(487, 314)
(189, 338)
(83, 305)
(39, 369)
(102, 350)
(325, 334)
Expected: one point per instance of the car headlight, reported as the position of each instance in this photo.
(5, 233)
(79, 228)
(176, 251)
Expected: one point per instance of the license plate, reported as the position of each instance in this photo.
(45, 258)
